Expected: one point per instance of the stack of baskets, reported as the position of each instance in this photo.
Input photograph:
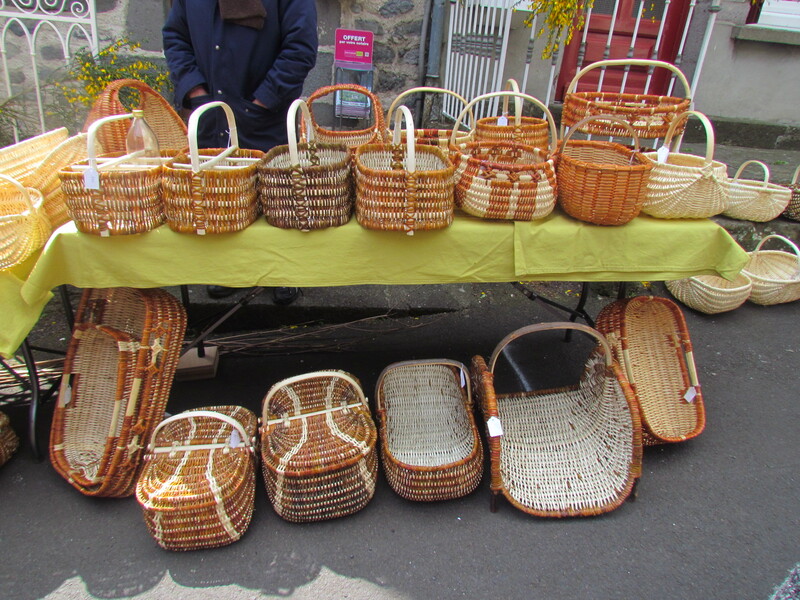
(775, 274)
(752, 200)
(9, 442)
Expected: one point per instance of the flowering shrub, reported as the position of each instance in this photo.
(562, 19)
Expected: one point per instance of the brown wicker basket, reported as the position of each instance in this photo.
(430, 446)
(211, 190)
(9, 442)
(352, 138)
(197, 488)
(504, 180)
(309, 186)
(601, 182)
(751, 200)
(432, 137)
(649, 338)
(711, 294)
(683, 186)
(532, 131)
(775, 274)
(403, 188)
(117, 375)
(169, 128)
(566, 452)
(793, 209)
(114, 194)
(318, 446)
(24, 226)
(648, 114)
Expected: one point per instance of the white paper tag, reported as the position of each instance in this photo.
(201, 232)
(463, 378)
(690, 394)
(67, 395)
(235, 440)
(501, 121)
(494, 426)
(662, 154)
(91, 179)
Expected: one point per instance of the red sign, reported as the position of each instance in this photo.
(353, 46)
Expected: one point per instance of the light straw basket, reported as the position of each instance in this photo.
(751, 200)
(775, 274)
(711, 294)
(24, 226)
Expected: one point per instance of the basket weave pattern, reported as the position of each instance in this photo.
(24, 226)
(751, 200)
(9, 442)
(775, 274)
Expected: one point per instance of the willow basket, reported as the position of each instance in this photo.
(566, 452)
(352, 138)
(603, 183)
(197, 488)
(211, 190)
(24, 226)
(684, 186)
(430, 445)
(403, 187)
(117, 375)
(649, 338)
(793, 209)
(9, 442)
(775, 274)
(432, 137)
(532, 131)
(711, 294)
(504, 180)
(307, 186)
(20, 160)
(318, 446)
(649, 115)
(751, 200)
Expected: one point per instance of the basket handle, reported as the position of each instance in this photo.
(434, 361)
(746, 163)
(684, 116)
(513, 86)
(91, 141)
(291, 129)
(403, 113)
(547, 114)
(233, 146)
(22, 189)
(537, 327)
(785, 240)
(590, 118)
(313, 375)
(642, 62)
(417, 90)
(189, 414)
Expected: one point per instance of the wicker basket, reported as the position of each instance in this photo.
(684, 186)
(9, 442)
(21, 159)
(403, 188)
(197, 488)
(116, 194)
(504, 180)
(168, 126)
(601, 182)
(211, 190)
(793, 209)
(775, 274)
(309, 186)
(24, 226)
(572, 451)
(532, 131)
(649, 338)
(751, 200)
(117, 375)
(430, 445)
(649, 115)
(318, 446)
(433, 137)
(711, 294)
(352, 138)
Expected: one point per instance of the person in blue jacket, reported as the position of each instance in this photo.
(254, 55)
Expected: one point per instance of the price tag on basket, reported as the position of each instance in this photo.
(91, 179)
(662, 154)
(690, 394)
(494, 427)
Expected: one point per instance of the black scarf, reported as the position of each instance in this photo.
(249, 13)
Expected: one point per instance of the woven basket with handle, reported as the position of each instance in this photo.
(24, 226)
(430, 445)
(533, 131)
(648, 114)
(306, 186)
(352, 138)
(432, 137)
(211, 190)
(752, 200)
(775, 274)
(197, 488)
(711, 294)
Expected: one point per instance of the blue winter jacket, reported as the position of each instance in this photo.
(238, 64)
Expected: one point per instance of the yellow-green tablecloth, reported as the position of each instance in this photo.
(471, 250)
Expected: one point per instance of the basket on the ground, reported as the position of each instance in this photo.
(504, 179)
(752, 200)
(649, 338)
(775, 274)
(684, 186)
(318, 446)
(793, 209)
(352, 138)
(649, 115)
(197, 487)
(429, 136)
(601, 182)
(403, 187)
(9, 442)
(24, 226)
(168, 126)
(118, 372)
(115, 194)
(211, 190)
(711, 294)
(430, 446)
(306, 186)
(571, 451)
(533, 131)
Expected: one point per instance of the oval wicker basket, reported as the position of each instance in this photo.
(432, 137)
(711, 294)
(351, 138)
(775, 274)
(758, 201)
(24, 226)
(532, 131)
(793, 209)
